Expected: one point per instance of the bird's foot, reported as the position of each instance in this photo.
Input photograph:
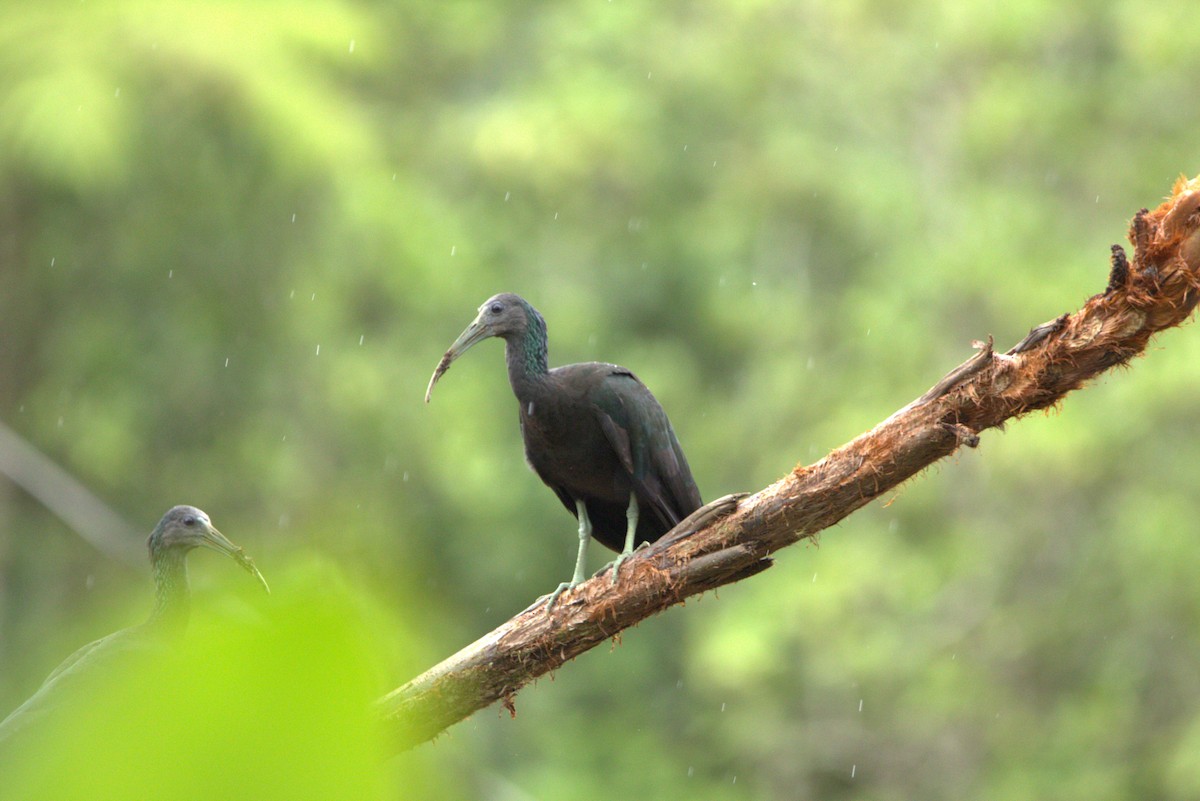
(566, 585)
(616, 566)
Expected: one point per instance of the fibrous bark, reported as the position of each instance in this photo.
(734, 537)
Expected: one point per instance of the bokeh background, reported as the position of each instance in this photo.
(235, 238)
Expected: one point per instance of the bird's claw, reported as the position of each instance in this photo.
(612, 582)
(616, 565)
(566, 585)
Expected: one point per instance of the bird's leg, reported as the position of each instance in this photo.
(631, 515)
(585, 534)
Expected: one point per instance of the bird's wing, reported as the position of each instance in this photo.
(79, 675)
(78, 656)
(638, 430)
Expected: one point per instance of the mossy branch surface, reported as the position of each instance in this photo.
(733, 538)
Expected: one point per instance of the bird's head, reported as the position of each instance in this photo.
(186, 527)
(506, 315)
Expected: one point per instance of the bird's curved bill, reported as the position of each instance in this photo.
(475, 332)
(217, 541)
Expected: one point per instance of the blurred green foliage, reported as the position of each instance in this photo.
(235, 237)
(273, 704)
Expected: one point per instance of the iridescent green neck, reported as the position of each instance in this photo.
(525, 352)
(172, 597)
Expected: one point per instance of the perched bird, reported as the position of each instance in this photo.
(593, 433)
(180, 530)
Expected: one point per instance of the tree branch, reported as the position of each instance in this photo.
(732, 539)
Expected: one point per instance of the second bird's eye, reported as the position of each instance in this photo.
(496, 308)
(189, 521)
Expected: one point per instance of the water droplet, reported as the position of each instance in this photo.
(226, 361)
(507, 195)
(860, 704)
(170, 273)
(293, 216)
(351, 45)
(556, 215)
(60, 422)
(529, 409)
(691, 770)
(318, 350)
(314, 296)
(814, 578)
(853, 770)
(118, 92)
(453, 248)
(404, 476)
(292, 294)
(52, 261)
(722, 705)
(360, 338)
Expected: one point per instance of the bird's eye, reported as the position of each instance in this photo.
(496, 308)
(189, 521)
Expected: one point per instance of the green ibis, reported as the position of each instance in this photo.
(180, 530)
(593, 433)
